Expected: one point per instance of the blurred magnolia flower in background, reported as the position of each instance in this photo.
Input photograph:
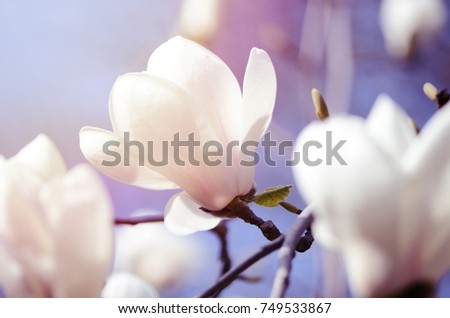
(408, 23)
(152, 253)
(127, 285)
(187, 90)
(199, 19)
(387, 212)
(55, 226)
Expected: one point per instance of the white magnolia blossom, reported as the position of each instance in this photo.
(185, 90)
(155, 255)
(55, 226)
(406, 23)
(387, 212)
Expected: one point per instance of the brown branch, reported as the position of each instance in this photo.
(287, 252)
(140, 219)
(234, 273)
(221, 231)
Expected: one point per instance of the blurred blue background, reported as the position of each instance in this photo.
(59, 59)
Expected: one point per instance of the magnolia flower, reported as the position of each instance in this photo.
(55, 226)
(406, 23)
(152, 253)
(387, 212)
(186, 91)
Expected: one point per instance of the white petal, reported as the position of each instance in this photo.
(183, 216)
(388, 126)
(436, 255)
(425, 164)
(259, 92)
(153, 111)
(206, 77)
(79, 213)
(42, 156)
(356, 202)
(367, 268)
(126, 285)
(258, 100)
(13, 280)
(92, 143)
(339, 192)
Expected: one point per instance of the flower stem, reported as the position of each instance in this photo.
(287, 253)
(140, 219)
(268, 229)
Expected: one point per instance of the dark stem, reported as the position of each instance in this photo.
(140, 219)
(221, 231)
(234, 273)
(287, 253)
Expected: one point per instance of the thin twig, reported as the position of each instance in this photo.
(234, 273)
(221, 231)
(140, 219)
(287, 252)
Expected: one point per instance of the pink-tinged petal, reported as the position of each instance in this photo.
(126, 285)
(206, 77)
(41, 156)
(183, 216)
(79, 213)
(105, 152)
(350, 205)
(258, 95)
(388, 126)
(154, 112)
(12, 277)
(23, 225)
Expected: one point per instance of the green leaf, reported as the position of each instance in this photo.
(271, 197)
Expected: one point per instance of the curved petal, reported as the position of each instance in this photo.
(258, 95)
(42, 156)
(258, 100)
(206, 77)
(110, 160)
(388, 126)
(425, 164)
(183, 216)
(80, 215)
(168, 126)
(126, 285)
(430, 153)
(356, 202)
